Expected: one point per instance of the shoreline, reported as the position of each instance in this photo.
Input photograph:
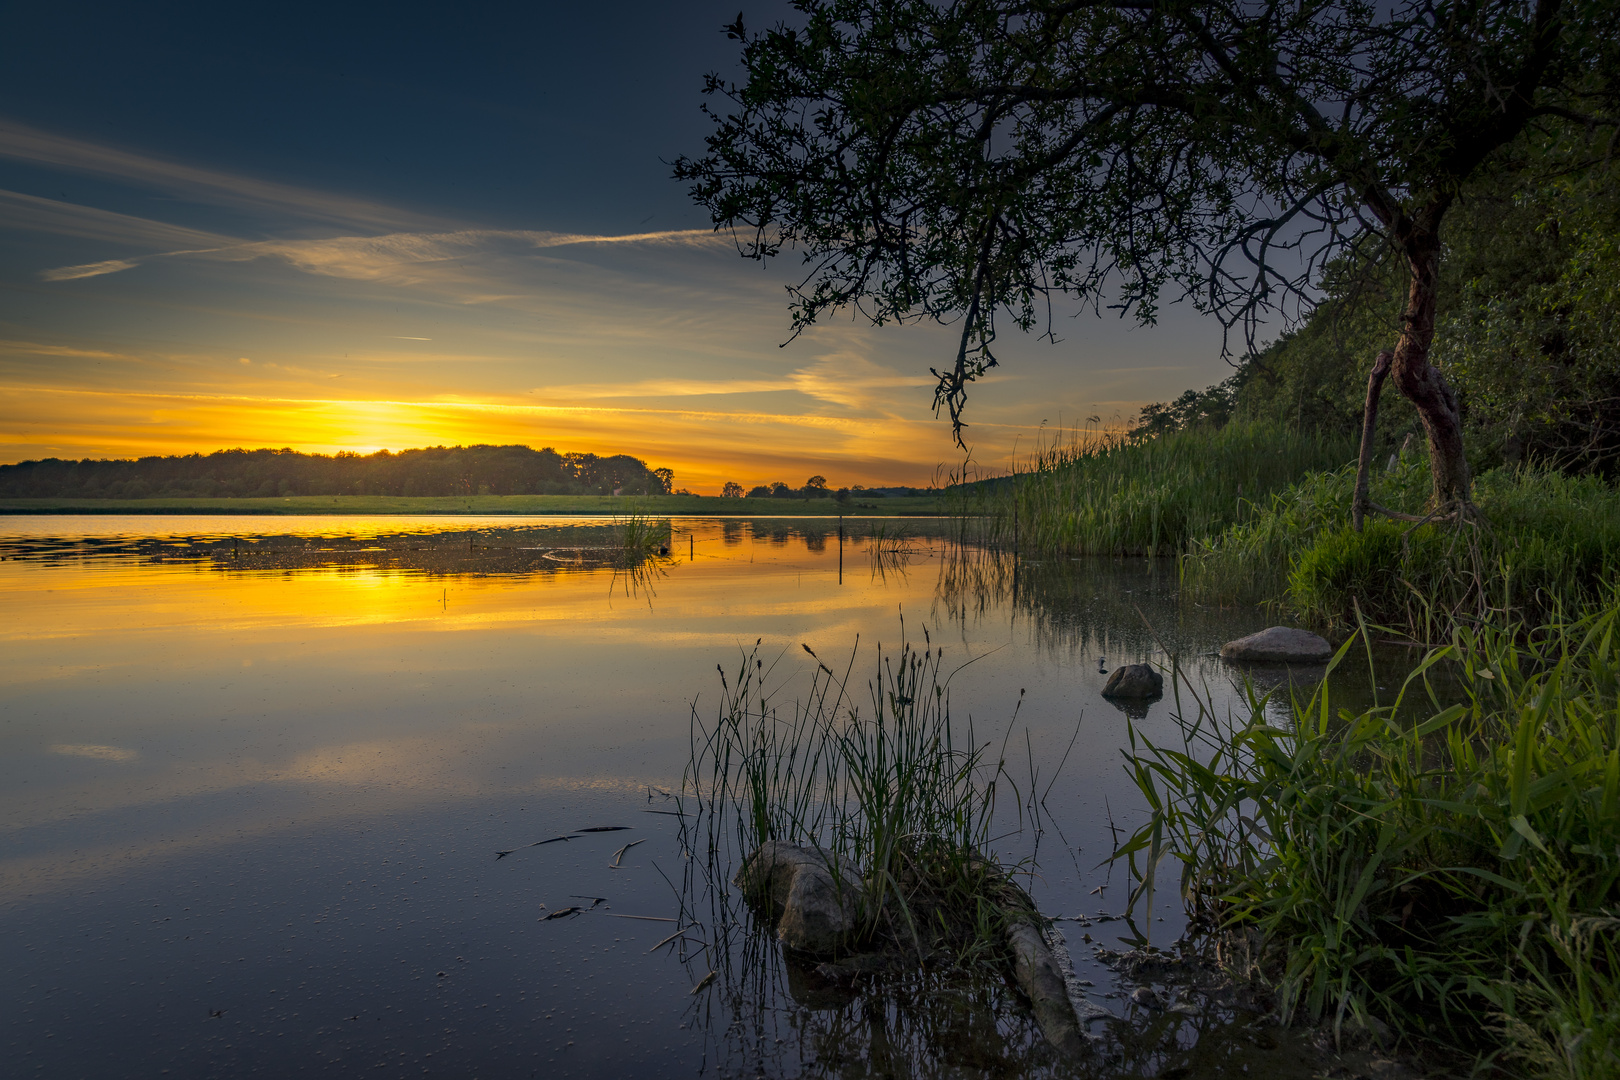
(606, 506)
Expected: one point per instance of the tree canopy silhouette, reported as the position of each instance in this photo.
(434, 470)
(976, 159)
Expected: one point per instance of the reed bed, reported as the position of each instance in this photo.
(887, 781)
(1097, 493)
(1456, 879)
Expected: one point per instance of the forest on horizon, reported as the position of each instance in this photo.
(434, 470)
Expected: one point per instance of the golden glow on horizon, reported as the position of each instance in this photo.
(705, 448)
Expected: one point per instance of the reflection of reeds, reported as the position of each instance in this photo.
(638, 579)
(890, 546)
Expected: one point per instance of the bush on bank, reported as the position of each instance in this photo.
(1548, 541)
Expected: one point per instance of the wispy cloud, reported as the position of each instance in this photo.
(71, 273)
(23, 143)
(34, 214)
(94, 750)
(399, 258)
(37, 349)
(852, 381)
(645, 388)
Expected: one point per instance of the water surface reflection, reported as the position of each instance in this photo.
(256, 771)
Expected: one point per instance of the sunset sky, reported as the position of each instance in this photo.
(349, 227)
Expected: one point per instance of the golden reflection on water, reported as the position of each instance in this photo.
(178, 681)
(135, 681)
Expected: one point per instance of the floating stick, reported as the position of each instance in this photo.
(618, 855)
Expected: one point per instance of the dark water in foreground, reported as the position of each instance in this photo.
(254, 774)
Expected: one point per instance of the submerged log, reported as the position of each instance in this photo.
(1038, 976)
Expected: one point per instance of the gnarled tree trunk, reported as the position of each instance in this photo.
(1421, 383)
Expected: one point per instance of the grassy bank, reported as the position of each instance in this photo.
(1548, 542)
(1457, 880)
(1122, 496)
(606, 505)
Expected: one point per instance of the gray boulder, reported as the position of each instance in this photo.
(816, 898)
(1134, 681)
(1279, 645)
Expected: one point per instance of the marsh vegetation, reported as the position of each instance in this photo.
(1453, 879)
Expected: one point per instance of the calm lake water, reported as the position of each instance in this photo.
(254, 773)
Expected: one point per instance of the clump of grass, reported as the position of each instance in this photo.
(889, 783)
(1114, 494)
(638, 536)
(1457, 879)
(1550, 541)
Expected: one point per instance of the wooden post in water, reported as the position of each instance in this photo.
(840, 549)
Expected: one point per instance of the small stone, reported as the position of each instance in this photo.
(1134, 681)
(1279, 645)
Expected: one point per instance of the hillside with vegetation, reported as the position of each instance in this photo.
(1251, 481)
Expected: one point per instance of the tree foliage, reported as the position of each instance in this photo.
(1529, 288)
(973, 160)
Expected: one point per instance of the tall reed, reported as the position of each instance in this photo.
(1458, 878)
(1096, 493)
(888, 782)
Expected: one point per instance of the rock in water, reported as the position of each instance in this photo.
(1134, 681)
(1279, 645)
(815, 897)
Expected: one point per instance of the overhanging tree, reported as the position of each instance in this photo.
(974, 160)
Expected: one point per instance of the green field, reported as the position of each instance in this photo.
(605, 505)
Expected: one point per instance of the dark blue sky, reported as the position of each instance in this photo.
(538, 115)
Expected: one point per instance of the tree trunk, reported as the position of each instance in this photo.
(1422, 384)
(1369, 427)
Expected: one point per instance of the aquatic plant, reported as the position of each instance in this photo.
(890, 783)
(1457, 878)
(638, 535)
(1100, 493)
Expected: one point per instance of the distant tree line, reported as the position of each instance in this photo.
(435, 470)
(816, 488)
